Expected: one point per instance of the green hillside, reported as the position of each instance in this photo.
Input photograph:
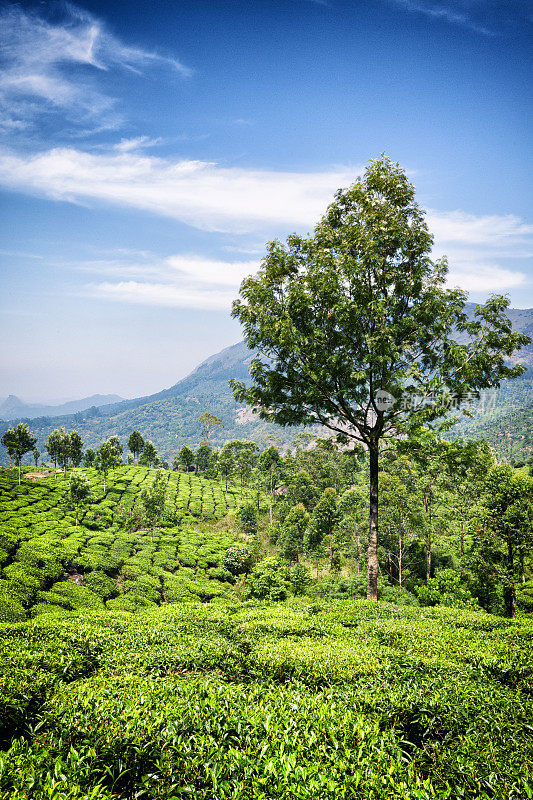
(50, 564)
(170, 417)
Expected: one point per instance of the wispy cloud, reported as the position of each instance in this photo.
(50, 66)
(484, 17)
(201, 194)
(480, 248)
(486, 252)
(180, 281)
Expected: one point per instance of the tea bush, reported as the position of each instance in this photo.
(340, 698)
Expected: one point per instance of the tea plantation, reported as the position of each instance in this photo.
(347, 699)
(146, 676)
(41, 548)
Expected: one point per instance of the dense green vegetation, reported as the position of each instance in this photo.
(52, 565)
(322, 700)
(203, 632)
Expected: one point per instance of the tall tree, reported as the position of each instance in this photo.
(79, 489)
(270, 465)
(509, 533)
(186, 457)
(135, 443)
(354, 328)
(116, 453)
(52, 448)
(18, 441)
(209, 422)
(76, 447)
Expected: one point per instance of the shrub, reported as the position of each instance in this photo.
(247, 519)
(101, 584)
(445, 589)
(268, 580)
(11, 609)
(398, 596)
(524, 597)
(237, 560)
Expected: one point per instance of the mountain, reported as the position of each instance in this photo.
(14, 408)
(170, 417)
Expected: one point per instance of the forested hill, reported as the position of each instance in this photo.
(170, 417)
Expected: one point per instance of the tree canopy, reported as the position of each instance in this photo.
(355, 328)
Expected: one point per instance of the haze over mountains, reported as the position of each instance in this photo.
(170, 417)
(14, 408)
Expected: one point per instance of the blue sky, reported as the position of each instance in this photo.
(148, 150)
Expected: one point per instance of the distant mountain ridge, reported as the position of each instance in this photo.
(13, 407)
(170, 417)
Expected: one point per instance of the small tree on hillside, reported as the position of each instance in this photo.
(36, 456)
(76, 448)
(79, 489)
(270, 465)
(186, 457)
(291, 539)
(204, 458)
(209, 422)
(247, 518)
(116, 453)
(135, 443)
(226, 463)
(89, 457)
(501, 545)
(52, 448)
(244, 456)
(63, 449)
(19, 441)
(323, 523)
(354, 328)
(153, 499)
(149, 454)
(104, 460)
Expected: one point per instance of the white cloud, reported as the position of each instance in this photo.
(479, 247)
(494, 230)
(163, 294)
(482, 278)
(482, 249)
(181, 281)
(42, 64)
(485, 17)
(201, 194)
(453, 12)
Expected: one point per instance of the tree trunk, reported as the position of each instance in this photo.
(509, 593)
(428, 555)
(400, 558)
(372, 581)
(20, 461)
(271, 497)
